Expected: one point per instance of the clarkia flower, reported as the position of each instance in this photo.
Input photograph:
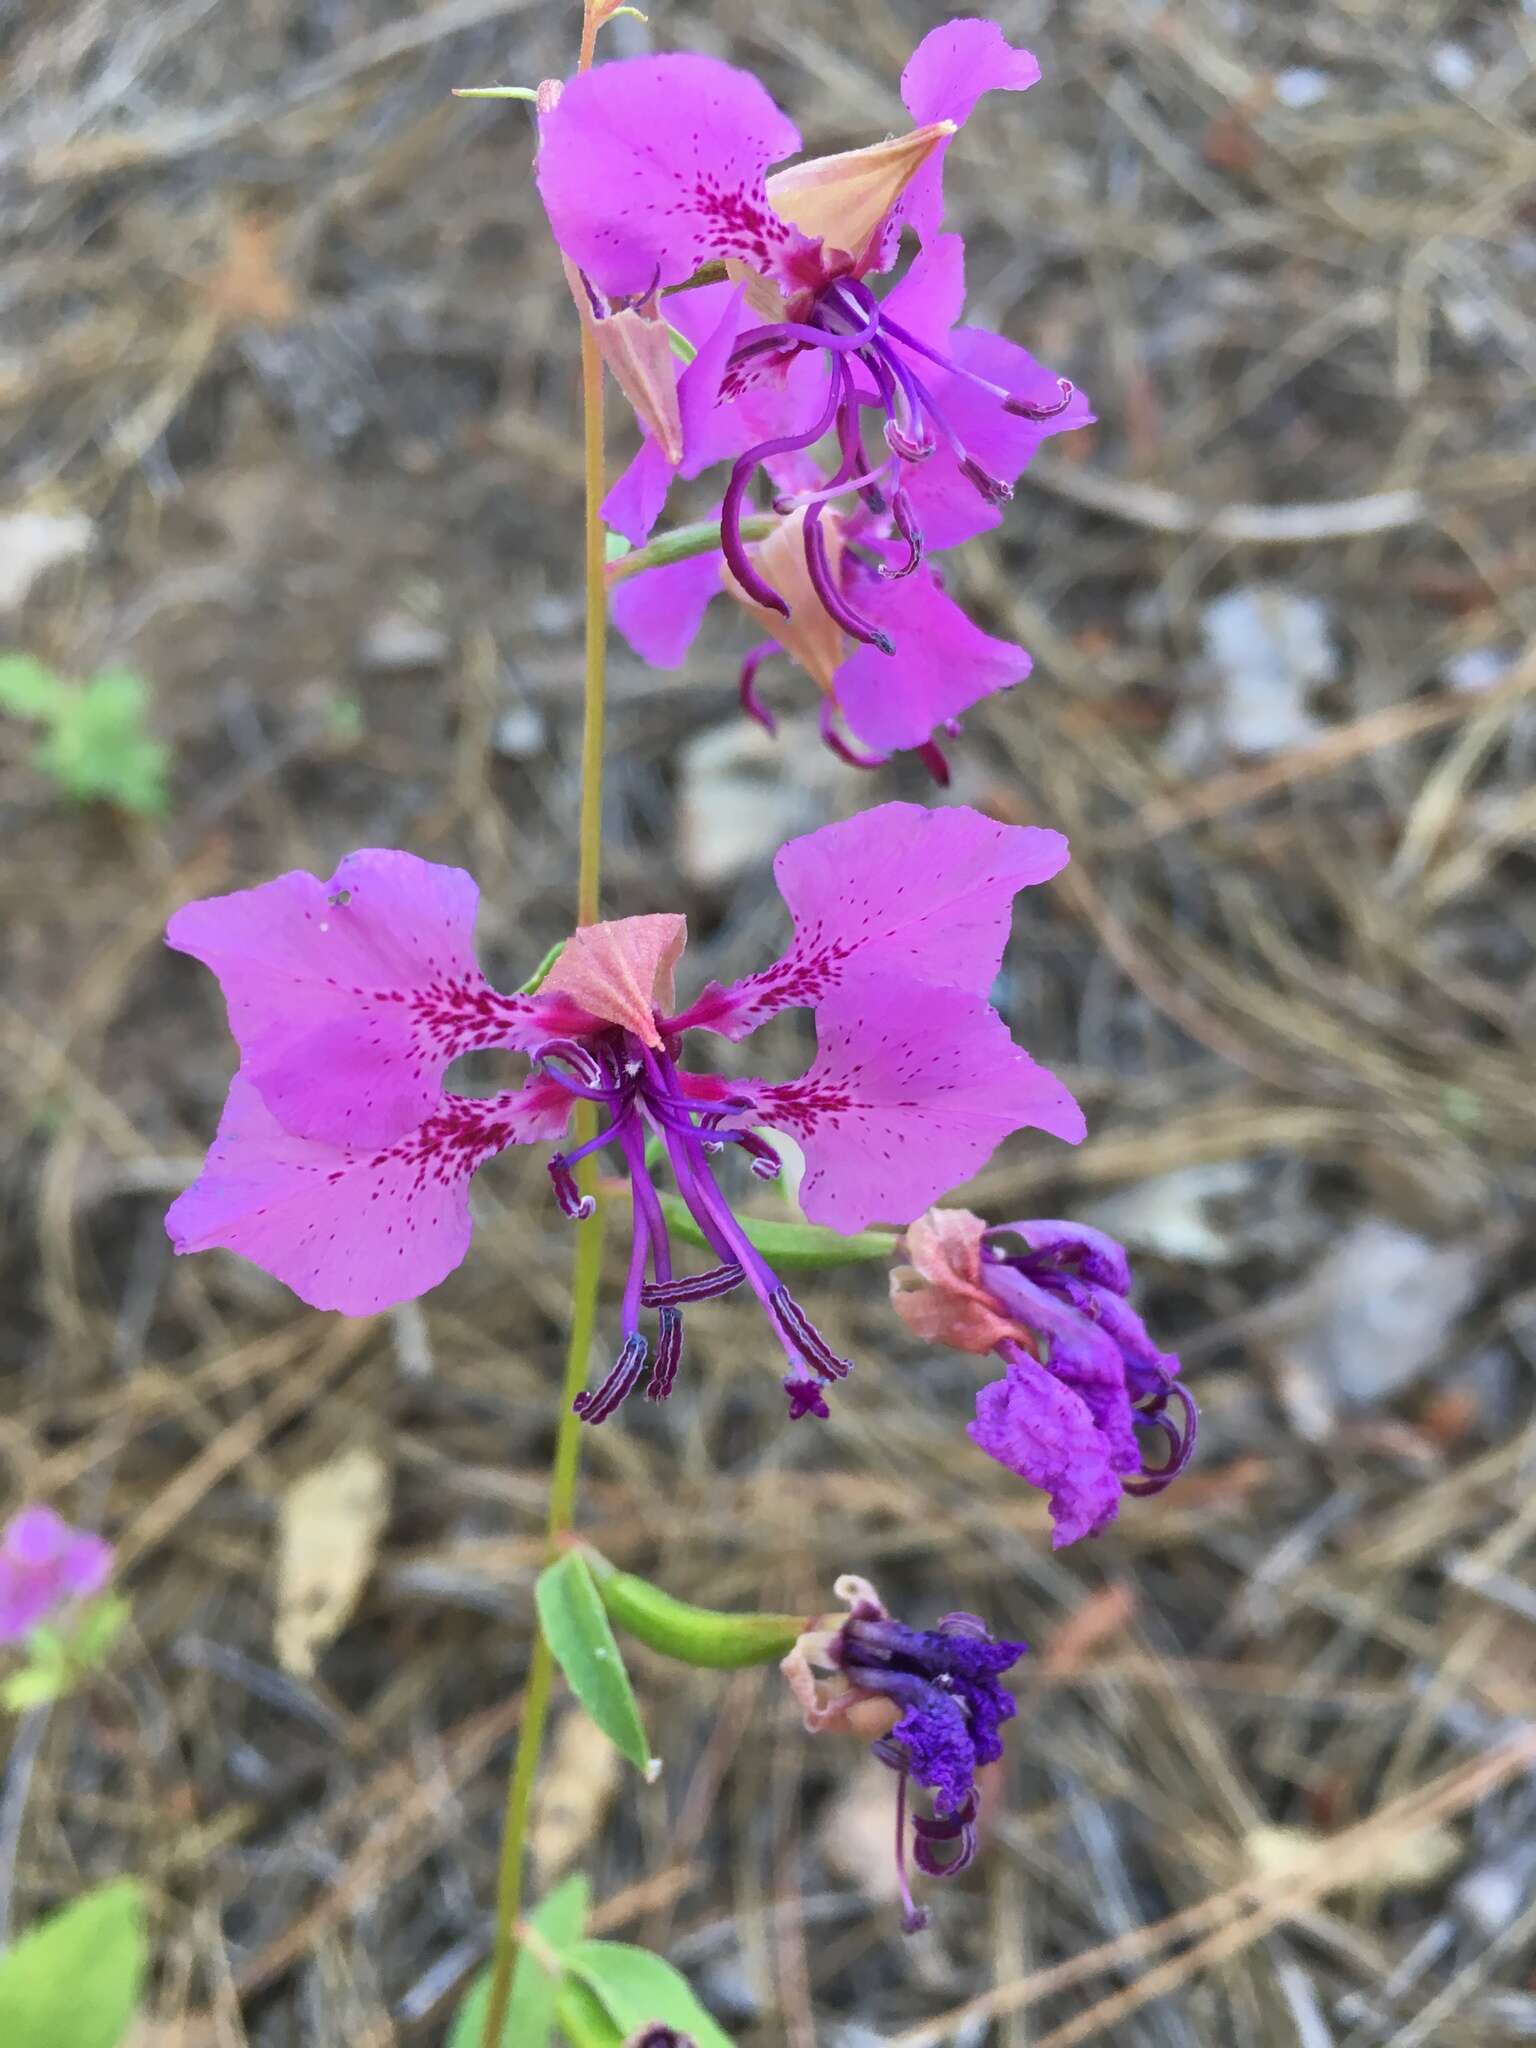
(941, 663)
(1082, 1375)
(655, 174)
(342, 1166)
(934, 1701)
(44, 1565)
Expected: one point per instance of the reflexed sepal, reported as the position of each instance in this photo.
(807, 1246)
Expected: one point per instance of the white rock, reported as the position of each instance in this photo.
(1269, 647)
(1387, 1301)
(521, 732)
(1175, 1214)
(1454, 66)
(31, 542)
(396, 644)
(1479, 668)
(1301, 87)
(743, 794)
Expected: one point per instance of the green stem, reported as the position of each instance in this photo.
(589, 1244)
(683, 543)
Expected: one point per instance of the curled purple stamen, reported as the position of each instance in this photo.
(596, 1405)
(572, 1201)
(766, 1163)
(1026, 409)
(743, 470)
(906, 525)
(693, 1287)
(669, 1352)
(746, 687)
(844, 748)
(833, 600)
(806, 1338)
(1180, 1436)
(992, 488)
(928, 1835)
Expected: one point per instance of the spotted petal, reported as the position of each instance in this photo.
(897, 889)
(351, 1227)
(349, 998)
(911, 1091)
(652, 167)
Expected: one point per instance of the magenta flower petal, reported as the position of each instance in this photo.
(897, 889)
(930, 295)
(659, 612)
(44, 1562)
(633, 504)
(654, 166)
(349, 998)
(1080, 1354)
(911, 1091)
(947, 504)
(943, 664)
(946, 75)
(351, 1227)
(1044, 1431)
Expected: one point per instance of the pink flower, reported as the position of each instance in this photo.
(342, 1166)
(655, 173)
(44, 1564)
(1082, 1373)
(933, 665)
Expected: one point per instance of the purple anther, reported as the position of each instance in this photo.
(806, 1398)
(573, 1202)
(1026, 409)
(992, 488)
(806, 1338)
(766, 1163)
(693, 1287)
(825, 586)
(1180, 1436)
(669, 1352)
(903, 445)
(746, 687)
(956, 1833)
(905, 519)
(595, 1405)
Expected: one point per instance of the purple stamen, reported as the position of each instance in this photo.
(669, 1352)
(693, 1287)
(742, 472)
(927, 1834)
(572, 1201)
(766, 1163)
(931, 754)
(806, 1338)
(746, 687)
(914, 1918)
(843, 748)
(596, 1406)
(992, 488)
(1026, 409)
(833, 600)
(1180, 1438)
(906, 525)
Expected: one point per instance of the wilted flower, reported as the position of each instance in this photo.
(342, 1166)
(45, 1564)
(932, 1699)
(1082, 1374)
(655, 174)
(940, 665)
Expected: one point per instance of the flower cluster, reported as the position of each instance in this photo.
(1082, 1374)
(44, 1566)
(342, 1165)
(933, 1700)
(656, 177)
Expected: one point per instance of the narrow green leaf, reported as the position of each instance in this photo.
(804, 1245)
(582, 1642)
(680, 345)
(636, 1989)
(495, 92)
(75, 1981)
(560, 1920)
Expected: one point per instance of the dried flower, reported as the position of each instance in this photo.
(1082, 1374)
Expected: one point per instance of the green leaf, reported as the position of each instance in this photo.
(74, 1981)
(636, 1989)
(97, 1629)
(559, 1919)
(805, 1245)
(583, 2018)
(98, 747)
(35, 1686)
(582, 1642)
(29, 689)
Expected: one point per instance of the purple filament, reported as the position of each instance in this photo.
(693, 1287)
(746, 687)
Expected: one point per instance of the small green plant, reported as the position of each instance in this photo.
(94, 745)
(76, 1979)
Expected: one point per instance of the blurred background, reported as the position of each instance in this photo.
(289, 542)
